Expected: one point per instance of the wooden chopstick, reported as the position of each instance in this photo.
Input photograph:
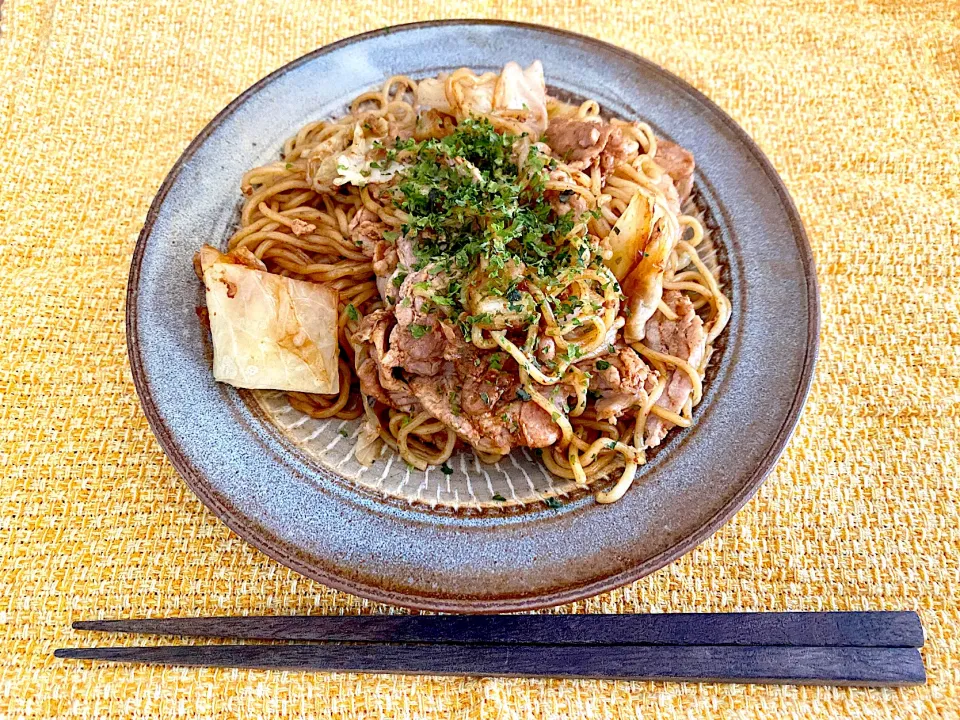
(875, 667)
(800, 629)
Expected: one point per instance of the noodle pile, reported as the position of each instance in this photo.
(300, 228)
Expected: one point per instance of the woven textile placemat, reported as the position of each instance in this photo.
(856, 104)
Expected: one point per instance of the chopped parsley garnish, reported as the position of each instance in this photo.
(352, 313)
(418, 331)
(477, 198)
(344, 433)
(499, 498)
(602, 365)
(553, 503)
(522, 394)
(446, 469)
(496, 361)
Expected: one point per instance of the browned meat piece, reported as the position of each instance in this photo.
(546, 350)
(418, 354)
(301, 227)
(506, 424)
(424, 359)
(377, 378)
(483, 390)
(408, 259)
(366, 231)
(387, 289)
(622, 380)
(418, 341)
(537, 428)
(368, 373)
(384, 259)
(373, 328)
(564, 201)
(581, 144)
(578, 142)
(678, 163)
(618, 148)
(684, 338)
(441, 398)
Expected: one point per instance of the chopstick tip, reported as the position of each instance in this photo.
(68, 653)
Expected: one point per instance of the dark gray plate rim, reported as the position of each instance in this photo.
(261, 539)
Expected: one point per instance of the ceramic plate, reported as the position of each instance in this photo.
(290, 484)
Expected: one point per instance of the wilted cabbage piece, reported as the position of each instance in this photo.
(354, 166)
(369, 443)
(642, 241)
(515, 93)
(630, 234)
(323, 160)
(269, 331)
(524, 93)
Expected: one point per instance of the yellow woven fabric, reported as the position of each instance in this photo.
(858, 107)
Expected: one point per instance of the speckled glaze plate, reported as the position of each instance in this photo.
(289, 484)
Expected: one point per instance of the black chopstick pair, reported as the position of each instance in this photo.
(809, 648)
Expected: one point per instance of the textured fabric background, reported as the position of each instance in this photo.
(858, 107)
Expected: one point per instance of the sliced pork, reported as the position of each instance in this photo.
(678, 163)
(584, 143)
(504, 423)
(622, 380)
(578, 142)
(377, 379)
(684, 338)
